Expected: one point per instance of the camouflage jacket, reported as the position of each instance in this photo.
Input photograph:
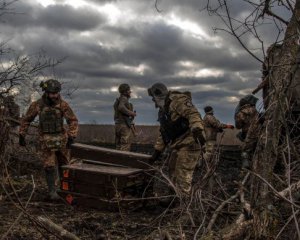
(35, 109)
(244, 117)
(180, 105)
(253, 134)
(122, 110)
(212, 126)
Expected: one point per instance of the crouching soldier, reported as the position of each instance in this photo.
(181, 129)
(55, 140)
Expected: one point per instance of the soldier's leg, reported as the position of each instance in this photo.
(49, 158)
(63, 158)
(209, 156)
(209, 151)
(184, 168)
(125, 138)
(118, 136)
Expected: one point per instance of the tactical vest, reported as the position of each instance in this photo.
(170, 130)
(51, 119)
(120, 117)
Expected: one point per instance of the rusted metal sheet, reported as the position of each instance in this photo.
(122, 158)
(102, 180)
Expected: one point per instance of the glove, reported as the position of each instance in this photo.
(198, 136)
(230, 126)
(155, 156)
(70, 142)
(22, 141)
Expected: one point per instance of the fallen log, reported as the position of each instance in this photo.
(56, 229)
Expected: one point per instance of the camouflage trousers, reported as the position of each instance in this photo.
(51, 158)
(210, 150)
(182, 163)
(122, 137)
(209, 157)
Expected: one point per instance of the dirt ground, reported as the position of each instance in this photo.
(139, 221)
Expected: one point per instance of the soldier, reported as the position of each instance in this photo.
(244, 113)
(211, 127)
(181, 129)
(245, 116)
(54, 139)
(123, 117)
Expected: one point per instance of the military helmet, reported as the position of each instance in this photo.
(208, 109)
(158, 90)
(248, 99)
(51, 86)
(123, 88)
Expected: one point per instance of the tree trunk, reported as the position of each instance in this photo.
(281, 72)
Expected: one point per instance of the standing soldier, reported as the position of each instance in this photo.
(245, 112)
(181, 129)
(55, 140)
(123, 117)
(211, 127)
(245, 115)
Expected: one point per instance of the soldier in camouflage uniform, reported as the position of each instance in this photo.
(54, 139)
(212, 127)
(123, 117)
(245, 116)
(181, 129)
(244, 113)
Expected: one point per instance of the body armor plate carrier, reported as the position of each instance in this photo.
(51, 120)
(170, 130)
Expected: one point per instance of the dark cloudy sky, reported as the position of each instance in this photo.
(106, 43)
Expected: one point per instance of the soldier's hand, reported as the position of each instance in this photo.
(230, 126)
(155, 156)
(22, 141)
(198, 136)
(70, 141)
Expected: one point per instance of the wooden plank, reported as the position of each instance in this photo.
(135, 160)
(101, 169)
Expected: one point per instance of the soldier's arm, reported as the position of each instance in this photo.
(28, 118)
(239, 120)
(215, 123)
(71, 119)
(122, 107)
(185, 108)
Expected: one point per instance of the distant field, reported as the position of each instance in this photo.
(146, 134)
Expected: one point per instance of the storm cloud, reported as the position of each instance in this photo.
(106, 43)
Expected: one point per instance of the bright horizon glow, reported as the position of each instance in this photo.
(73, 3)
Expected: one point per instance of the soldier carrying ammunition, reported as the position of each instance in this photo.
(123, 117)
(55, 140)
(181, 129)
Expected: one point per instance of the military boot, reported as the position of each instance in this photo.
(50, 179)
